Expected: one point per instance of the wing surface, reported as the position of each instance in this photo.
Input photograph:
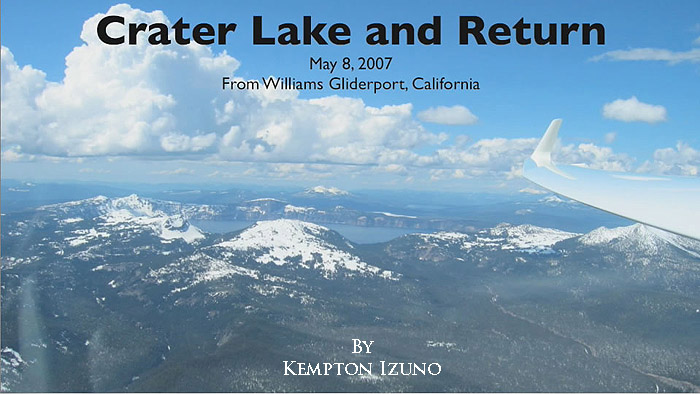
(666, 202)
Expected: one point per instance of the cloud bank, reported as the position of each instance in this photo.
(133, 101)
(681, 160)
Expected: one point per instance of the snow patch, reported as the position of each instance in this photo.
(85, 235)
(530, 238)
(300, 210)
(11, 357)
(70, 220)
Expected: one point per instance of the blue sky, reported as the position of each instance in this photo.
(632, 104)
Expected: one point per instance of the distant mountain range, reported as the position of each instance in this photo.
(421, 210)
(126, 294)
(326, 191)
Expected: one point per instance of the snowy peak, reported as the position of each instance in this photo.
(288, 242)
(604, 235)
(326, 191)
(639, 237)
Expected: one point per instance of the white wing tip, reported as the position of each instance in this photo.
(542, 156)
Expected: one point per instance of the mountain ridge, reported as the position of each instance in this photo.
(109, 289)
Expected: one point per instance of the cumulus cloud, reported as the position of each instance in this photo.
(455, 115)
(651, 54)
(610, 137)
(13, 155)
(165, 102)
(593, 156)
(144, 100)
(504, 157)
(633, 110)
(397, 169)
(497, 154)
(681, 160)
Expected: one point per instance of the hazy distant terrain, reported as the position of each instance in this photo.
(125, 293)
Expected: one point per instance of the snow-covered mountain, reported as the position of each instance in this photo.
(100, 217)
(272, 258)
(307, 245)
(124, 294)
(132, 212)
(325, 191)
(556, 200)
(640, 238)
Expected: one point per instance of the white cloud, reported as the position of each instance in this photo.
(229, 174)
(493, 153)
(494, 158)
(458, 174)
(515, 172)
(397, 169)
(610, 137)
(681, 160)
(144, 100)
(593, 156)
(654, 54)
(455, 115)
(505, 157)
(89, 170)
(176, 171)
(166, 102)
(651, 54)
(633, 110)
(184, 143)
(13, 154)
